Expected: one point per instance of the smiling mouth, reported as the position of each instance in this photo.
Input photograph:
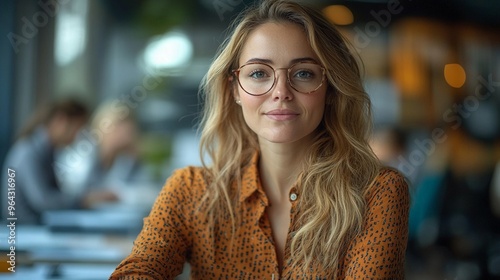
(282, 115)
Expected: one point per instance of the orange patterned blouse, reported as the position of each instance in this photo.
(175, 233)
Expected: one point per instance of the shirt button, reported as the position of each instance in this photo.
(293, 196)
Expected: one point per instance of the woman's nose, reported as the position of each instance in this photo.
(282, 89)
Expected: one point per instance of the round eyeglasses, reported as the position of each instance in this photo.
(257, 78)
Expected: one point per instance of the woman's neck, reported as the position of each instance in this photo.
(279, 166)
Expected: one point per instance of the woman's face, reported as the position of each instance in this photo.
(282, 115)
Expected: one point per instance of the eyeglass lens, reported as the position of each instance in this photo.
(258, 79)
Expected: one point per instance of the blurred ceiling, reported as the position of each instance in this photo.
(158, 14)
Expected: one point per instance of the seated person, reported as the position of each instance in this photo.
(32, 159)
(290, 188)
(105, 156)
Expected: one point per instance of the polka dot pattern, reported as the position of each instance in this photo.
(175, 232)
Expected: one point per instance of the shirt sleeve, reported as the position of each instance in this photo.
(378, 252)
(160, 250)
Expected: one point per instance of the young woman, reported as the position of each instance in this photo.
(293, 190)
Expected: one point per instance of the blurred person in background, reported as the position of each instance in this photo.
(32, 157)
(112, 161)
(293, 190)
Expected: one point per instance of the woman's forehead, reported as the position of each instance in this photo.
(278, 43)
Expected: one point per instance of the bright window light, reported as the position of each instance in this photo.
(172, 50)
(70, 35)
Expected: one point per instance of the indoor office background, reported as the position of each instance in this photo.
(432, 69)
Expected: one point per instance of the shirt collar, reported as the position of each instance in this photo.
(250, 181)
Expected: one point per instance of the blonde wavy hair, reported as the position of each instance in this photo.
(340, 164)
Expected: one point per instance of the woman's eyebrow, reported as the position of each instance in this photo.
(260, 60)
(303, 59)
(270, 61)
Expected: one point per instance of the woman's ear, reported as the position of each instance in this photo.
(234, 88)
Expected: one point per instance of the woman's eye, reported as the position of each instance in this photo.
(258, 74)
(304, 74)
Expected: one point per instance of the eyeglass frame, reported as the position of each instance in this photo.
(236, 72)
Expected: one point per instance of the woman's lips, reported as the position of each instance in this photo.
(282, 114)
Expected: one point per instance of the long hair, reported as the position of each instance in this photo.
(340, 166)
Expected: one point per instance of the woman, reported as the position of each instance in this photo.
(293, 190)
